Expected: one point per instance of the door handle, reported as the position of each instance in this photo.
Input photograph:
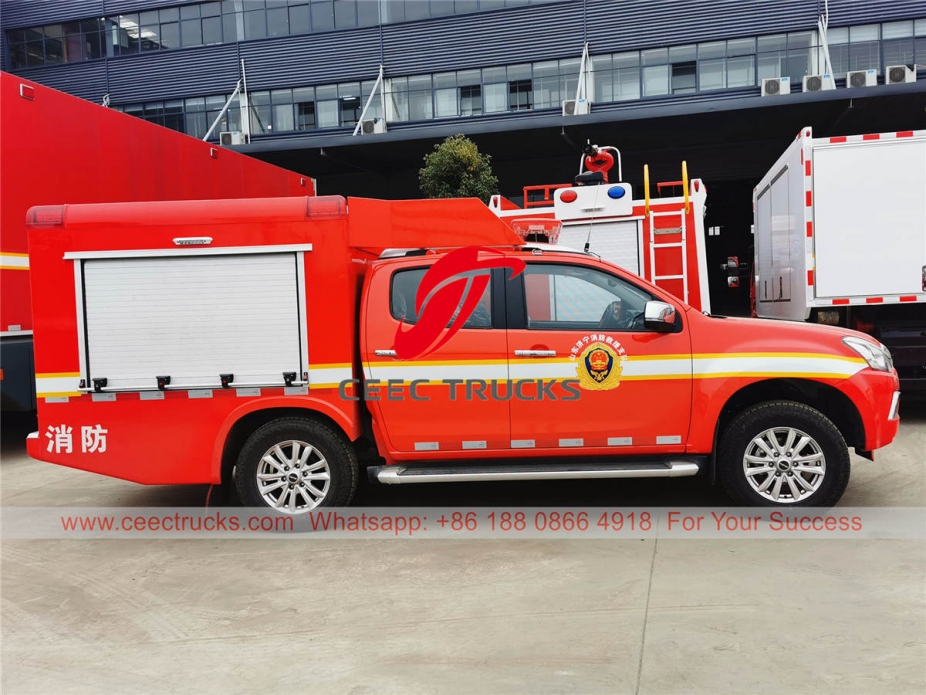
(535, 353)
(384, 353)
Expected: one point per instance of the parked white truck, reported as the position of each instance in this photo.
(840, 239)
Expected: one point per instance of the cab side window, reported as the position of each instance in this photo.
(404, 291)
(572, 297)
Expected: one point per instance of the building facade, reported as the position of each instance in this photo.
(666, 81)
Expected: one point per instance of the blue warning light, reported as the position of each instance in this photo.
(616, 192)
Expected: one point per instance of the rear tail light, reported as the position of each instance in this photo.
(45, 216)
(326, 207)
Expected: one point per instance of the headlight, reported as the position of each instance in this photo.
(877, 356)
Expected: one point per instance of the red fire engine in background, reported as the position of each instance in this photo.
(58, 149)
(270, 342)
(661, 239)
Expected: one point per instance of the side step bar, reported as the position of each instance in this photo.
(426, 473)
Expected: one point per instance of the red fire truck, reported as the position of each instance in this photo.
(271, 341)
(660, 239)
(58, 148)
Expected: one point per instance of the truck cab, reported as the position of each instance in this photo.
(420, 359)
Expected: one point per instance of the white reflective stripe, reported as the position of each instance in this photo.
(437, 373)
(56, 385)
(669, 439)
(571, 442)
(104, 397)
(474, 445)
(523, 444)
(426, 446)
(329, 375)
(620, 441)
(151, 395)
(761, 365)
(656, 367)
(199, 393)
(895, 406)
(14, 261)
(543, 369)
(245, 393)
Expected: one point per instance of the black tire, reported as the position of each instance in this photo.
(327, 441)
(736, 440)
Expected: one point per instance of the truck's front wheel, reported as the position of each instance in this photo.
(295, 465)
(783, 453)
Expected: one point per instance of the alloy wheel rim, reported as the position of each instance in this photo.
(293, 477)
(784, 465)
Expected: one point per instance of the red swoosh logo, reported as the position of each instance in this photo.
(436, 302)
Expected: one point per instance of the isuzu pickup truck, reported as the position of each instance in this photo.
(283, 345)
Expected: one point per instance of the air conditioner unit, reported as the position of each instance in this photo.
(576, 108)
(373, 126)
(898, 74)
(228, 138)
(773, 86)
(862, 78)
(818, 83)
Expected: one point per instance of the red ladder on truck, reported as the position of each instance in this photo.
(667, 233)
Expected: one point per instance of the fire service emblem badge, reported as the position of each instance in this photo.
(599, 362)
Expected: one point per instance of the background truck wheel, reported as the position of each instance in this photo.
(295, 465)
(783, 453)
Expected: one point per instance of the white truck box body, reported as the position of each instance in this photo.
(841, 221)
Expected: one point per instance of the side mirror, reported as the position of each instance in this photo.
(659, 316)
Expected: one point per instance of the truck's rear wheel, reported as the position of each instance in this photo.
(783, 453)
(295, 465)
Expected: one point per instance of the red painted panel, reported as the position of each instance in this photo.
(59, 149)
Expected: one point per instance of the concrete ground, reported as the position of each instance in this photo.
(500, 616)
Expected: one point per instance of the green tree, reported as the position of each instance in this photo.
(456, 169)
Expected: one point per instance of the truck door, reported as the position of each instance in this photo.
(445, 402)
(571, 321)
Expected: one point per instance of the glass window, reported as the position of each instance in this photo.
(323, 16)
(367, 13)
(896, 52)
(212, 30)
(189, 11)
(345, 14)
(445, 79)
(471, 100)
(305, 116)
(496, 98)
(416, 10)
(441, 7)
(717, 49)
(864, 55)
(776, 42)
(919, 27)
(520, 95)
(327, 114)
(404, 292)
(741, 47)
(169, 14)
(150, 38)
(867, 32)
(393, 11)
(682, 54)
(170, 35)
(35, 53)
(283, 119)
(567, 297)
(897, 30)
(191, 33)
(837, 36)
(255, 24)
(684, 80)
(420, 106)
(711, 74)
(445, 102)
(230, 28)
(173, 115)
(655, 80)
(741, 72)
(519, 72)
(490, 75)
(278, 21)
(350, 109)
(300, 21)
(626, 76)
(17, 56)
(210, 9)
(655, 56)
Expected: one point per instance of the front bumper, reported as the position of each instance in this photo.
(876, 395)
